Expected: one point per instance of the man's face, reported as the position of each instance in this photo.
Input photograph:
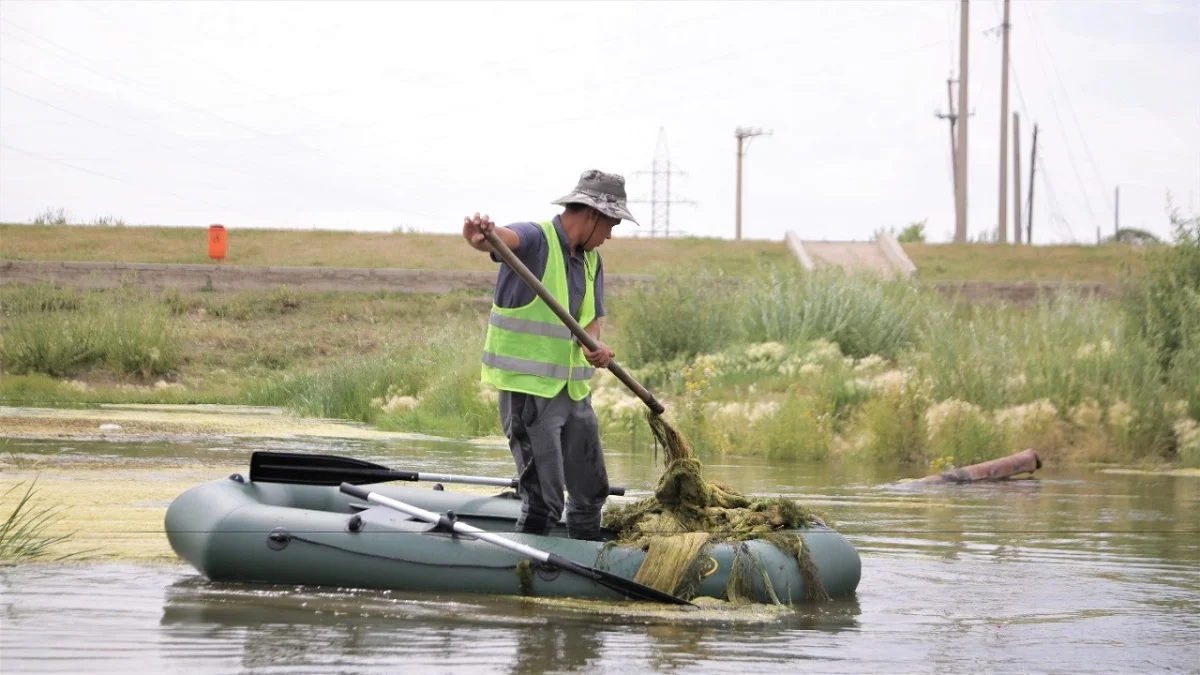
(603, 231)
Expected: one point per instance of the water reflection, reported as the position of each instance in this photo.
(570, 646)
(314, 628)
(1076, 571)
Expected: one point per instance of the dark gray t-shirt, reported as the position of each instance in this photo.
(512, 291)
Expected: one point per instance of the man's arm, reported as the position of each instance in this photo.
(593, 328)
(474, 228)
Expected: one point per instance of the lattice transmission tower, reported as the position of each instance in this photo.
(660, 189)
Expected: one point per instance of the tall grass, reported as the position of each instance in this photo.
(61, 332)
(963, 384)
(451, 404)
(1066, 350)
(23, 533)
(344, 390)
(862, 314)
(54, 344)
(682, 314)
(782, 363)
(427, 384)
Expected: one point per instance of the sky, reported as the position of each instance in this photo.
(385, 116)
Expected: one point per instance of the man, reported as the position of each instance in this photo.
(540, 368)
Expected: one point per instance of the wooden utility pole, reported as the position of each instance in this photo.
(953, 143)
(742, 134)
(1117, 216)
(960, 220)
(1032, 170)
(1016, 179)
(1003, 226)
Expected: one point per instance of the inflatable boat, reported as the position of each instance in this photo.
(236, 529)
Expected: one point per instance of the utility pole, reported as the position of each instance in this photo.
(743, 135)
(660, 188)
(1003, 226)
(1032, 170)
(1117, 216)
(953, 117)
(1016, 179)
(960, 224)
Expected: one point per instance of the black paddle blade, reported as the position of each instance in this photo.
(626, 587)
(305, 469)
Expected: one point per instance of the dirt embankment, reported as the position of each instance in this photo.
(348, 279)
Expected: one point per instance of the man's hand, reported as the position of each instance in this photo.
(474, 228)
(599, 358)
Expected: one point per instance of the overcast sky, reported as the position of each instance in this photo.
(381, 115)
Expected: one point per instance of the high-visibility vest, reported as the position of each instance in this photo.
(529, 349)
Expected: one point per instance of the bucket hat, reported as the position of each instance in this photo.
(602, 191)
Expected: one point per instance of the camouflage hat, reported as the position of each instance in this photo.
(604, 192)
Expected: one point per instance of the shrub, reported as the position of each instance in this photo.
(961, 431)
(53, 217)
(108, 221)
(893, 426)
(678, 315)
(1162, 302)
(800, 429)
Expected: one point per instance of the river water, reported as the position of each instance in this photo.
(1078, 571)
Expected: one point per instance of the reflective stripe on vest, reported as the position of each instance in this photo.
(530, 327)
(538, 368)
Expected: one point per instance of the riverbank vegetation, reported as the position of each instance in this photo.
(777, 363)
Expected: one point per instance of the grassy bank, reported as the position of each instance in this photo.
(394, 250)
(622, 254)
(785, 364)
(62, 345)
(790, 366)
(995, 262)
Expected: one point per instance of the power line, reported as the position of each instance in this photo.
(393, 76)
(1062, 132)
(118, 130)
(393, 120)
(81, 61)
(1055, 207)
(127, 182)
(1070, 107)
(624, 80)
(226, 160)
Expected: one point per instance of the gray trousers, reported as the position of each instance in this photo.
(555, 443)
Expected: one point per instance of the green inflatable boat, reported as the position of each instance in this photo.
(239, 530)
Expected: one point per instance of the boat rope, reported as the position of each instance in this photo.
(314, 542)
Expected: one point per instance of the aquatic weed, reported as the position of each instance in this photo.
(23, 532)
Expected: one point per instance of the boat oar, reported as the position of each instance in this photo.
(306, 469)
(626, 587)
(534, 283)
